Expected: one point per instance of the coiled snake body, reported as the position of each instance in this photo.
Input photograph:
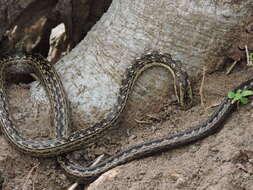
(65, 142)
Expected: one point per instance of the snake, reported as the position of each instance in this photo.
(65, 142)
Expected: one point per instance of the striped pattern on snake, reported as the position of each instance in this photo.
(48, 77)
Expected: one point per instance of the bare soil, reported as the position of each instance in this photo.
(221, 161)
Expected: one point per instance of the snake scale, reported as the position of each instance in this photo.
(64, 142)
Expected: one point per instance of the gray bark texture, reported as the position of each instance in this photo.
(198, 33)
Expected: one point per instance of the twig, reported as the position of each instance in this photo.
(231, 67)
(243, 168)
(201, 89)
(28, 176)
(33, 179)
(247, 55)
(247, 151)
(72, 187)
(213, 105)
(142, 121)
(154, 117)
(98, 159)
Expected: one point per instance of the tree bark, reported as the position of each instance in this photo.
(198, 33)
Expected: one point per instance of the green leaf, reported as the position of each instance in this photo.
(244, 100)
(251, 56)
(247, 93)
(231, 95)
(238, 91)
(238, 96)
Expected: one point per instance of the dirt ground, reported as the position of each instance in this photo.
(223, 161)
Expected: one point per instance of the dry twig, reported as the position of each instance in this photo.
(201, 89)
(74, 186)
(24, 187)
(231, 67)
(247, 55)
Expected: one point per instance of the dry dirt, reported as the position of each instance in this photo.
(223, 161)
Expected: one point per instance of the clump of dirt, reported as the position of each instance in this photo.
(221, 161)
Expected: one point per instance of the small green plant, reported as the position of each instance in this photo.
(240, 95)
(251, 56)
(250, 60)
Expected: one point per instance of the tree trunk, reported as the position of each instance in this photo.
(198, 33)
